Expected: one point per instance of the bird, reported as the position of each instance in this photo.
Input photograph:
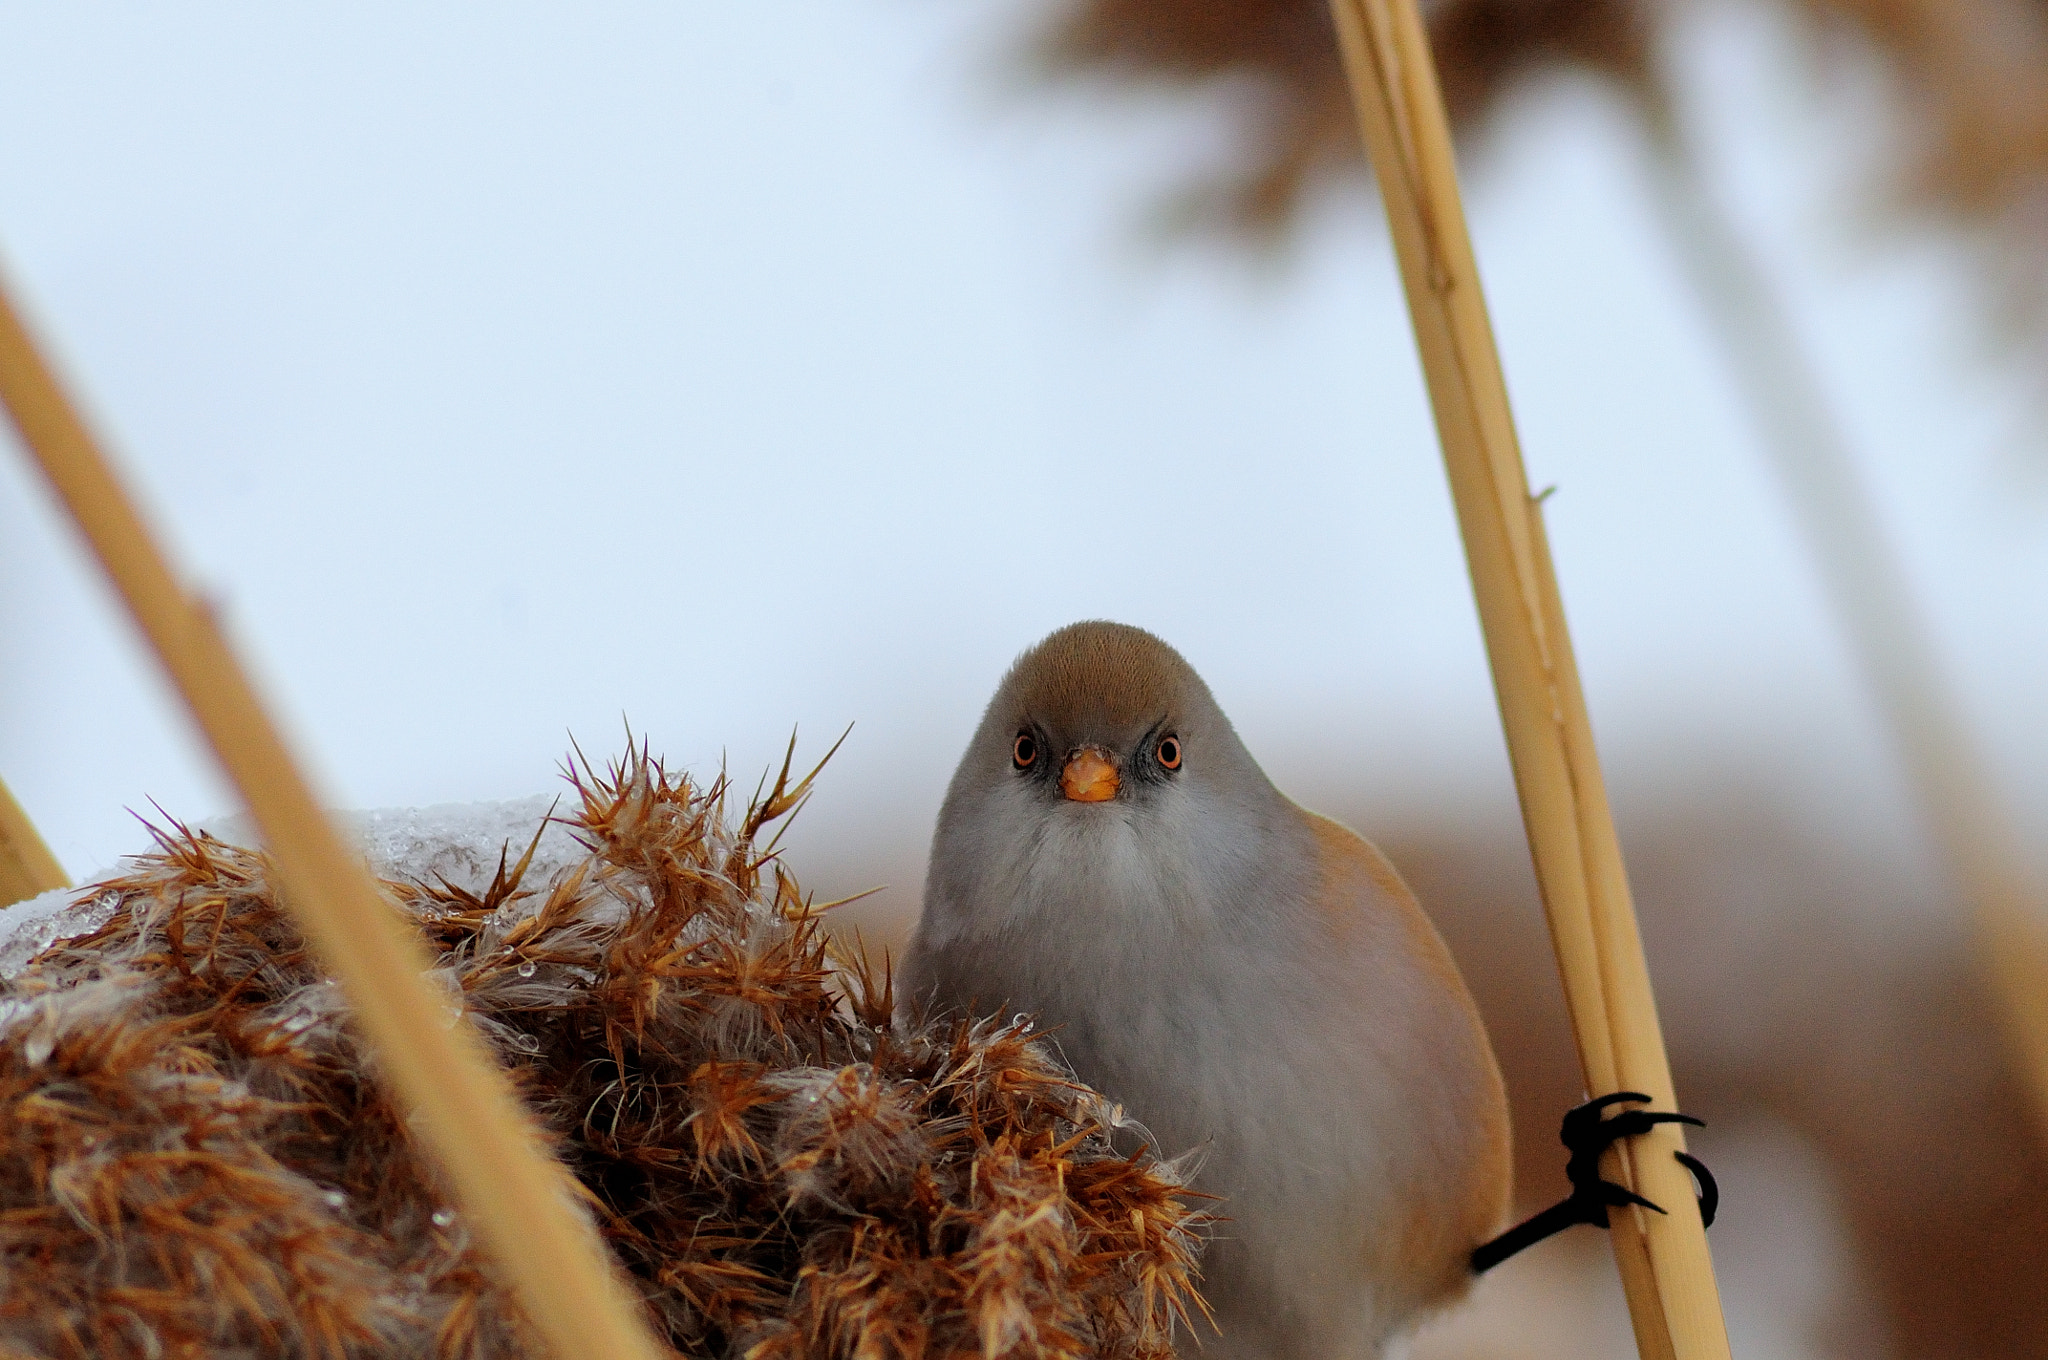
(1250, 980)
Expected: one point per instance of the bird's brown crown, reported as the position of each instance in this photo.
(1100, 676)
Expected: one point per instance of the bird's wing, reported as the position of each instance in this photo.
(1453, 1089)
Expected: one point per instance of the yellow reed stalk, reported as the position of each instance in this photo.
(521, 1202)
(27, 868)
(1665, 1265)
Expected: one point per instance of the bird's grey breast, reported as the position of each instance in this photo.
(1150, 940)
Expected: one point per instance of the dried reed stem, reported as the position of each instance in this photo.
(1664, 1262)
(27, 868)
(519, 1200)
(1874, 601)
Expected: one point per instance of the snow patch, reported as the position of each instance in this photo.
(459, 842)
(28, 928)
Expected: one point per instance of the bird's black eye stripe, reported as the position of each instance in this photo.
(1024, 751)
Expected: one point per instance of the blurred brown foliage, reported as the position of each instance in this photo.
(1968, 80)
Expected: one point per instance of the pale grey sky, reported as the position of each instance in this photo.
(724, 367)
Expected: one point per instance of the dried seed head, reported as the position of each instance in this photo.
(196, 1155)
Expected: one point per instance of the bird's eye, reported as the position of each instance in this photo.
(1169, 752)
(1025, 753)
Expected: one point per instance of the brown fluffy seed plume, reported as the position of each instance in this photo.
(195, 1162)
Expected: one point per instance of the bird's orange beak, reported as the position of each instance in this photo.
(1090, 776)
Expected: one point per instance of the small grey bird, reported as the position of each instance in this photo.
(1246, 977)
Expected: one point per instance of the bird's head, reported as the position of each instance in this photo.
(1102, 717)
(1102, 767)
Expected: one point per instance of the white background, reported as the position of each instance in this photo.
(508, 375)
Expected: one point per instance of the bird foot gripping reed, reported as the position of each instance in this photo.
(195, 1159)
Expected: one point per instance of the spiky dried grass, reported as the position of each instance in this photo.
(194, 1160)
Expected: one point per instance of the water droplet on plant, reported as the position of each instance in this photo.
(335, 1199)
(443, 1217)
(526, 1043)
(527, 968)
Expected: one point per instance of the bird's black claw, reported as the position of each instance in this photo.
(1585, 1131)
(1618, 1197)
(1588, 1132)
(1589, 1113)
(1710, 1190)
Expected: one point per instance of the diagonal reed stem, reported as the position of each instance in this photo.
(521, 1202)
(27, 868)
(1663, 1258)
